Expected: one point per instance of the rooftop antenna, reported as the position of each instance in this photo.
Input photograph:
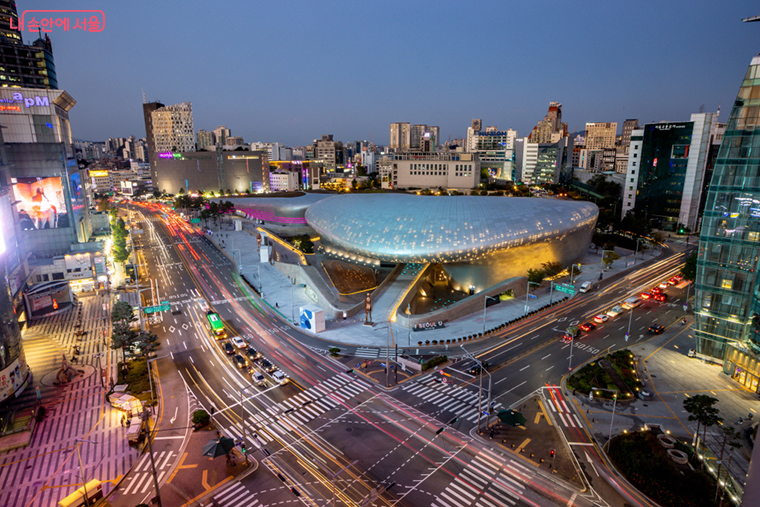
(145, 101)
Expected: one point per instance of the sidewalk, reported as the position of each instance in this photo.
(282, 295)
(48, 470)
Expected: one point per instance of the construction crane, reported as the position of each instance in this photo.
(750, 20)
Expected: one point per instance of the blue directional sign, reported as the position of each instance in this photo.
(532, 296)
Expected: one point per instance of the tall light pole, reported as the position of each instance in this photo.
(635, 255)
(527, 293)
(572, 267)
(146, 419)
(614, 403)
(485, 303)
(630, 319)
(480, 388)
(242, 419)
(81, 468)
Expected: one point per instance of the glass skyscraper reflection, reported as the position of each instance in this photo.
(727, 301)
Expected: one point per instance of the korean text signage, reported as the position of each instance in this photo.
(426, 326)
(69, 19)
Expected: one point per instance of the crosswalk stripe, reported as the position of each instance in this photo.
(489, 468)
(501, 492)
(511, 481)
(478, 479)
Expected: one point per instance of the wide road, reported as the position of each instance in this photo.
(325, 419)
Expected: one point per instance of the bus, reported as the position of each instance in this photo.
(217, 327)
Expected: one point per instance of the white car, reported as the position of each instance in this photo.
(615, 311)
(258, 377)
(280, 377)
(239, 342)
(601, 318)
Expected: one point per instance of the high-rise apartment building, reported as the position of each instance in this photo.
(221, 134)
(329, 151)
(628, 127)
(415, 136)
(400, 136)
(204, 139)
(173, 128)
(148, 108)
(551, 129)
(600, 135)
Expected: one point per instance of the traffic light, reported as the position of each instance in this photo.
(439, 431)
(453, 420)
(350, 371)
(552, 453)
(681, 230)
(242, 447)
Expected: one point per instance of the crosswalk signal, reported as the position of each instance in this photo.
(453, 420)
(552, 453)
(242, 448)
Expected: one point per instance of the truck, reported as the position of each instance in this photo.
(586, 287)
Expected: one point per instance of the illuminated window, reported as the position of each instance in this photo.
(753, 235)
(727, 284)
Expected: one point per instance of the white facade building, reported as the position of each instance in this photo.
(460, 171)
(283, 181)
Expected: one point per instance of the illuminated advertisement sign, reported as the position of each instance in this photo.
(40, 203)
(18, 98)
(98, 173)
(169, 154)
(76, 192)
(13, 377)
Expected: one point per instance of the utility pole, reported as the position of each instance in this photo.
(146, 419)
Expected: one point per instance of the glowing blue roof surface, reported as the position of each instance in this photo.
(411, 228)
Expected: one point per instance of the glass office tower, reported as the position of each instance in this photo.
(727, 300)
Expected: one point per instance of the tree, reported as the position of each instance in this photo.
(122, 312)
(147, 342)
(354, 184)
(733, 439)
(551, 268)
(181, 191)
(535, 275)
(120, 250)
(122, 337)
(690, 268)
(701, 409)
(609, 257)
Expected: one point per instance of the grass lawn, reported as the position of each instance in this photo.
(593, 375)
(644, 462)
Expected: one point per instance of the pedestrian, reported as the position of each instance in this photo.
(129, 421)
(749, 416)
(276, 305)
(741, 420)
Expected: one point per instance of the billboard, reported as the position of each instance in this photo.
(76, 191)
(40, 203)
(13, 377)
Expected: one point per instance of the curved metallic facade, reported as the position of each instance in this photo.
(280, 210)
(455, 229)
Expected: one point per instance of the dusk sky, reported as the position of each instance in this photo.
(290, 71)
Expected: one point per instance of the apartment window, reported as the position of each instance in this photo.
(727, 284)
(635, 155)
(630, 196)
(634, 164)
(57, 276)
(630, 188)
(753, 235)
(631, 180)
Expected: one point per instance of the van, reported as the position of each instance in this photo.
(586, 286)
(631, 302)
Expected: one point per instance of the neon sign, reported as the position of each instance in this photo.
(28, 101)
(169, 154)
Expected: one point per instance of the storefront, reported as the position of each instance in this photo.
(743, 367)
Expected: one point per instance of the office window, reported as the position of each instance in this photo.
(727, 284)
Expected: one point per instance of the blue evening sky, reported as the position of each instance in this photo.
(289, 71)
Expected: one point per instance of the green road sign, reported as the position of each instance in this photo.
(195, 220)
(566, 288)
(163, 307)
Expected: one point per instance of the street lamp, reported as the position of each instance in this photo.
(572, 267)
(485, 303)
(614, 403)
(81, 468)
(527, 294)
(480, 389)
(635, 255)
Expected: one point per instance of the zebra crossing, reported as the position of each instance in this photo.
(139, 481)
(376, 353)
(235, 495)
(448, 398)
(484, 482)
(278, 421)
(560, 408)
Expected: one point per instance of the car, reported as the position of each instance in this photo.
(615, 311)
(280, 377)
(660, 297)
(252, 353)
(656, 329)
(664, 285)
(672, 281)
(267, 366)
(692, 353)
(655, 290)
(239, 361)
(588, 326)
(258, 377)
(601, 318)
(238, 342)
(228, 348)
(475, 369)
(646, 295)
(678, 278)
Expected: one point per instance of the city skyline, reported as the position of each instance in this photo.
(436, 67)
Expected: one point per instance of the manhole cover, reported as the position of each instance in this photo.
(349, 429)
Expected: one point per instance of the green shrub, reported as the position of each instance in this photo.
(201, 417)
(334, 351)
(434, 362)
